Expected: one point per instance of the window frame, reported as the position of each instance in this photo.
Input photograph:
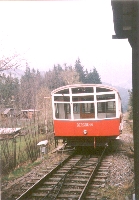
(79, 101)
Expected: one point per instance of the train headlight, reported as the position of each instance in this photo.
(84, 132)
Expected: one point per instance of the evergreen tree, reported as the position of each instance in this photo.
(9, 90)
(28, 89)
(53, 78)
(80, 70)
(93, 77)
(39, 80)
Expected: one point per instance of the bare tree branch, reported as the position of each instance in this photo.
(12, 62)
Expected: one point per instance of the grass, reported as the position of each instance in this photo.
(20, 171)
(21, 145)
(23, 149)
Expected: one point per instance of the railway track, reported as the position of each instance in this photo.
(77, 177)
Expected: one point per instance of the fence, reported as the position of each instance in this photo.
(18, 150)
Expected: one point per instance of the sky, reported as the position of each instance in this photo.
(45, 33)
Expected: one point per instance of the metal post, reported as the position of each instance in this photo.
(135, 82)
(46, 113)
(14, 140)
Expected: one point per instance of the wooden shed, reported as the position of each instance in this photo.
(30, 113)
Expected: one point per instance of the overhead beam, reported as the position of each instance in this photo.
(126, 25)
(135, 83)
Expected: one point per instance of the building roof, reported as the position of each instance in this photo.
(9, 131)
(30, 110)
(124, 16)
(5, 110)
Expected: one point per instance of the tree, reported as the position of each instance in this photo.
(80, 70)
(53, 78)
(93, 77)
(43, 103)
(9, 90)
(69, 75)
(10, 62)
(28, 89)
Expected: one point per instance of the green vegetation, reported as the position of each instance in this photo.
(130, 106)
(22, 148)
(20, 171)
(85, 76)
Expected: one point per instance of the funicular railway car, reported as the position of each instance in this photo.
(86, 114)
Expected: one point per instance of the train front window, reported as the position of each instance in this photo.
(82, 90)
(76, 108)
(87, 108)
(64, 91)
(99, 89)
(62, 98)
(83, 110)
(87, 98)
(106, 109)
(105, 97)
(62, 111)
(83, 98)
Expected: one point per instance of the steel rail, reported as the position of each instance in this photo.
(47, 197)
(56, 189)
(41, 181)
(82, 195)
(53, 196)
